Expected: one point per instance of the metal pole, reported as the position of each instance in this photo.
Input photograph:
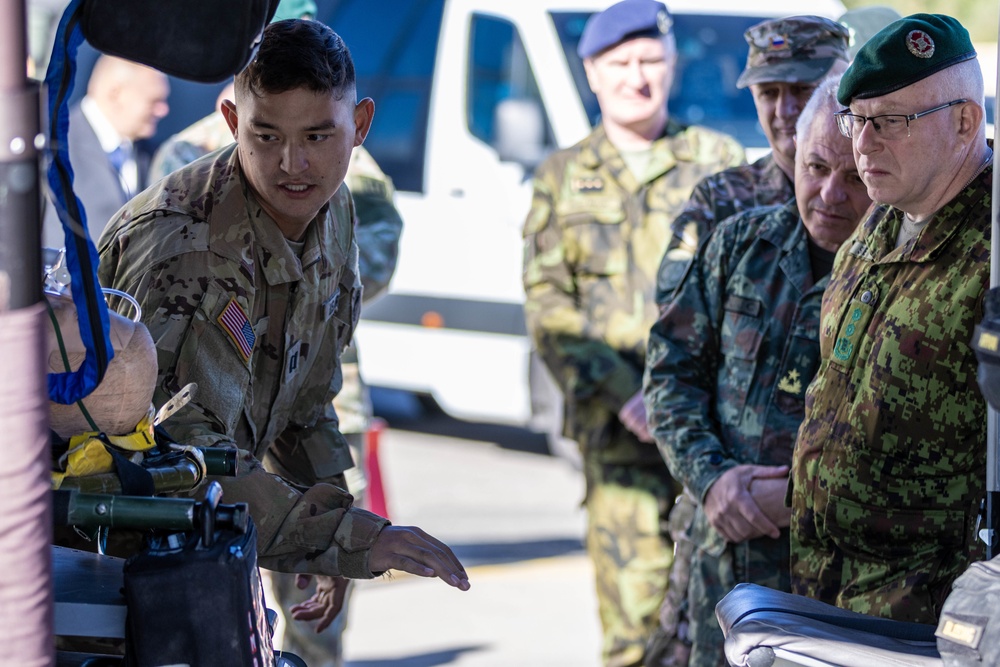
(26, 608)
(993, 417)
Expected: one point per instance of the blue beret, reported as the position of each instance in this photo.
(629, 18)
(904, 52)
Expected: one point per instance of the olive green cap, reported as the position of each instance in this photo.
(903, 53)
(795, 49)
(862, 23)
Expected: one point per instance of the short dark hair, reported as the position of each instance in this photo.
(298, 53)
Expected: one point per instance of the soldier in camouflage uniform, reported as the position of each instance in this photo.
(889, 466)
(377, 232)
(245, 265)
(787, 58)
(730, 358)
(597, 229)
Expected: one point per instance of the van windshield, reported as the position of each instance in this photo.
(711, 55)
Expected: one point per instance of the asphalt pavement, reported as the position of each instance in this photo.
(511, 513)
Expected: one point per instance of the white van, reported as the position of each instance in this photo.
(469, 96)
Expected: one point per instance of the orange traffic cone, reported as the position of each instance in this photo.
(376, 490)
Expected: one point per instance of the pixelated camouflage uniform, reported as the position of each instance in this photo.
(888, 470)
(198, 245)
(714, 199)
(727, 369)
(593, 243)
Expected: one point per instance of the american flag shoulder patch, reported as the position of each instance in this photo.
(235, 323)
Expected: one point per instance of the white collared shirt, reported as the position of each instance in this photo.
(110, 140)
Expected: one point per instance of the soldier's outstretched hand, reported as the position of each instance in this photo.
(409, 549)
(325, 603)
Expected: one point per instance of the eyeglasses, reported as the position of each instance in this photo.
(887, 126)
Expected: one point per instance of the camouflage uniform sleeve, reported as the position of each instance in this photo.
(686, 229)
(379, 224)
(583, 365)
(682, 365)
(318, 531)
(171, 156)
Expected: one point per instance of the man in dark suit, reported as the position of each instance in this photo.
(124, 103)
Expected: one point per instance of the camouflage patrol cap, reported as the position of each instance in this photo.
(793, 49)
(621, 21)
(903, 53)
(864, 22)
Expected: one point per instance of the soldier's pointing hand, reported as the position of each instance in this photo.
(409, 549)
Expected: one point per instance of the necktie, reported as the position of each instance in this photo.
(117, 158)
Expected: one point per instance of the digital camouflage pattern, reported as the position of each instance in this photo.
(216, 279)
(794, 49)
(889, 467)
(728, 364)
(714, 199)
(594, 239)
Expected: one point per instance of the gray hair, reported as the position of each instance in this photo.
(823, 102)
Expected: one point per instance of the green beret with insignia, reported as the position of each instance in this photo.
(903, 53)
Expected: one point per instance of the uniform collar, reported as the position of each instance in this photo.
(672, 147)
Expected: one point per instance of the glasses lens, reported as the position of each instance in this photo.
(891, 127)
(844, 124)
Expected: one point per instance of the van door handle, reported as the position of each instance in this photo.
(457, 192)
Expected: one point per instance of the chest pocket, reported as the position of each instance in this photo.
(798, 367)
(741, 336)
(596, 235)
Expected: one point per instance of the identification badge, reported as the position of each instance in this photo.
(330, 305)
(292, 359)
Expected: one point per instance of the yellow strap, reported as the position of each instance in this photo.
(138, 440)
(89, 457)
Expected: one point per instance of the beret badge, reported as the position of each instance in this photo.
(920, 44)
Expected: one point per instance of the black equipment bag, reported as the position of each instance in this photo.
(194, 605)
(968, 632)
(200, 40)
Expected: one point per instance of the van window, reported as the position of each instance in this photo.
(498, 72)
(711, 55)
(393, 55)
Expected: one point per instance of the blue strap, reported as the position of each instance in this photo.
(81, 255)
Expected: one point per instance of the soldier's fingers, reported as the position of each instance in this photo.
(339, 595)
(758, 523)
(767, 472)
(412, 550)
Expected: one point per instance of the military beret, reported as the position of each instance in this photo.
(793, 49)
(295, 9)
(621, 21)
(904, 52)
(864, 22)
